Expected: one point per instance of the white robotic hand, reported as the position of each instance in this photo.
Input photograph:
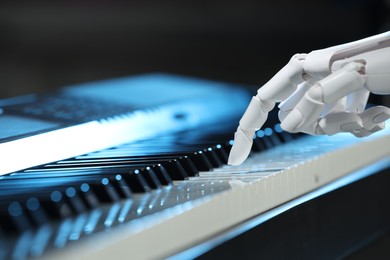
(323, 92)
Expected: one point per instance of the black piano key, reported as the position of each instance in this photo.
(285, 137)
(104, 190)
(121, 187)
(188, 166)
(212, 157)
(5, 244)
(112, 186)
(116, 183)
(275, 140)
(62, 199)
(13, 217)
(76, 203)
(35, 211)
(89, 198)
(222, 153)
(57, 206)
(136, 181)
(200, 161)
(61, 202)
(87, 178)
(151, 178)
(149, 162)
(263, 137)
(72, 185)
(175, 170)
(125, 165)
(227, 146)
(162, 174)
(268, 142)
(271, 135)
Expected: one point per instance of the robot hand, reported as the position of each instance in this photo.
(323, 92)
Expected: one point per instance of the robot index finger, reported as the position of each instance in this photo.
(285, 82)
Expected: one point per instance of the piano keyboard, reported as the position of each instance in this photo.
(220, 199)
(159, 197)
(97, 206)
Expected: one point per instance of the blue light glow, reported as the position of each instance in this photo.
(56, 196)
(278, 128)
(70, 192)
(260, 133)
(84, 187)
(268, 131)
(32, 204)
(14, 209)
(105, 181)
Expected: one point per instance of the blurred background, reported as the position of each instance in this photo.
(48, 44)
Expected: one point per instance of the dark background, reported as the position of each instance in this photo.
(49, 44)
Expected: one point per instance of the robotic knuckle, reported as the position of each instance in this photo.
(315, 93)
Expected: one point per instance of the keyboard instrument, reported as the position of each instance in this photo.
(137, 167)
